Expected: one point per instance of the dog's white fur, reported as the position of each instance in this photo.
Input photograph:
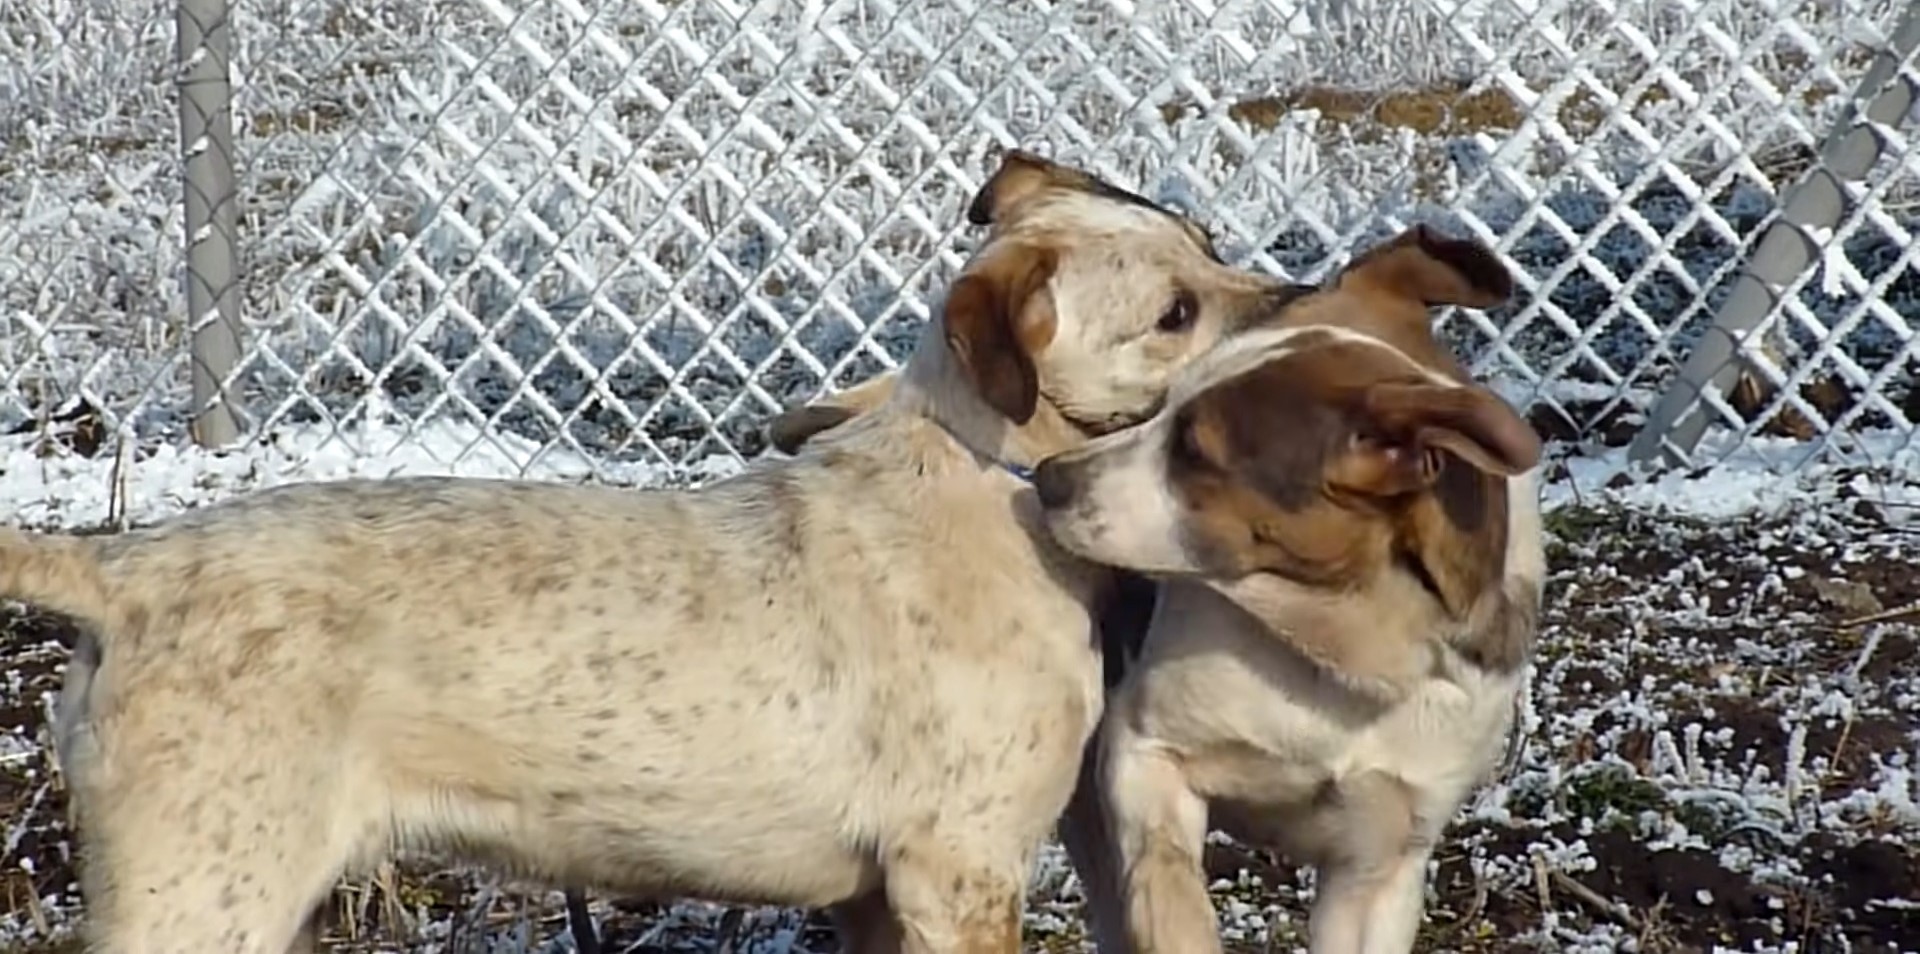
(859, 678)
(1221, 721)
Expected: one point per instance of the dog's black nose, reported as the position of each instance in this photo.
(1053, 482)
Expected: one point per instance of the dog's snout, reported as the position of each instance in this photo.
(1053, 481)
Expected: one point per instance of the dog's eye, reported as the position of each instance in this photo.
(1180, 315)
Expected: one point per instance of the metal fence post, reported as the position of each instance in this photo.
(204, 31)
(1817, 202)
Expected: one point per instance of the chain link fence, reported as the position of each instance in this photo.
(625, 232)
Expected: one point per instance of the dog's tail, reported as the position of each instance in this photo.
(58, 573)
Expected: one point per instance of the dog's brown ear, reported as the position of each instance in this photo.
(1021, 174)
(1443, 441)
(1408, 426)
(999, 314)
(795, 426)
(1430, 267)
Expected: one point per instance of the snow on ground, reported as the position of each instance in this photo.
(65, 490)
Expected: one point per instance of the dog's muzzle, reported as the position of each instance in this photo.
(1055, 482)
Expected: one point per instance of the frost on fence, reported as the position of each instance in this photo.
(632, 229)
(89, 213)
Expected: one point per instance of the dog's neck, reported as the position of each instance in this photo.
(1384, 635)
(1379, 638)
(934, 386)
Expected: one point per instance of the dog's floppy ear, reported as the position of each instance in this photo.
(795, 426)
(1407, 426)
(1444, 441)
(1430, 267)
(999, 314)
(1021, 174)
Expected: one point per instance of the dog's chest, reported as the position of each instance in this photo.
(1260, 729)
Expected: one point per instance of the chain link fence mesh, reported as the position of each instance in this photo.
(625, 232)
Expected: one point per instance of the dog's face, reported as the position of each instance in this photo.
(1084, 296)
(1301, 452)
(1090, 297)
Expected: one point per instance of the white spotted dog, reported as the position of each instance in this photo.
(1346, 532)
(859, 679)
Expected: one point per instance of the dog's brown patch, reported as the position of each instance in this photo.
(1504, 641)
(1260, 502)
(1020, 176)
(998, 315)
(1457, 531)
(792, 428)
(1432, 268)
(1374, 463)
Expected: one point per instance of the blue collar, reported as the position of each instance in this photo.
(1023, 473)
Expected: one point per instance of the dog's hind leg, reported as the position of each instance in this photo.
(307, 939)
(168, 875)
(179, 882)
(209, 828)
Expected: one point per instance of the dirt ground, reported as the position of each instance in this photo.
(1717, 756)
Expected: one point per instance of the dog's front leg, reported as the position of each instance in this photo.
(1160, 824)
(1371, 909)
(951, 896)
(1369, 889)
(1086, 830)
(1397, 905)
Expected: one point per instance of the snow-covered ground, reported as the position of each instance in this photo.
(584, 241)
